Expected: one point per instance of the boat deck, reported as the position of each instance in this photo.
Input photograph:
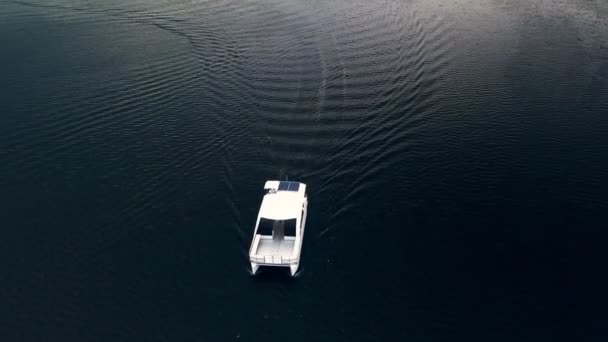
(270, 247)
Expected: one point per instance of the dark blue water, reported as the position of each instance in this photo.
(456, 156)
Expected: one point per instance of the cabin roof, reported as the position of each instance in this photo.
(282, 205)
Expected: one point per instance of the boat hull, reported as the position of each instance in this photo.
(254, 268)
(292, 268)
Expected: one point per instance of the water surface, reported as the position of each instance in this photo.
(455, 156)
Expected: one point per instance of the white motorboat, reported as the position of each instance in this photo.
(279, 229)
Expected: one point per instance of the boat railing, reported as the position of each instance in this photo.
(274, 259)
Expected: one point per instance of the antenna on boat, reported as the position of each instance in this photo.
(283, 174)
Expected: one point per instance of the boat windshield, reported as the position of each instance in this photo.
(277, 228)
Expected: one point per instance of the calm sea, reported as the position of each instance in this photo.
(456, 156)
